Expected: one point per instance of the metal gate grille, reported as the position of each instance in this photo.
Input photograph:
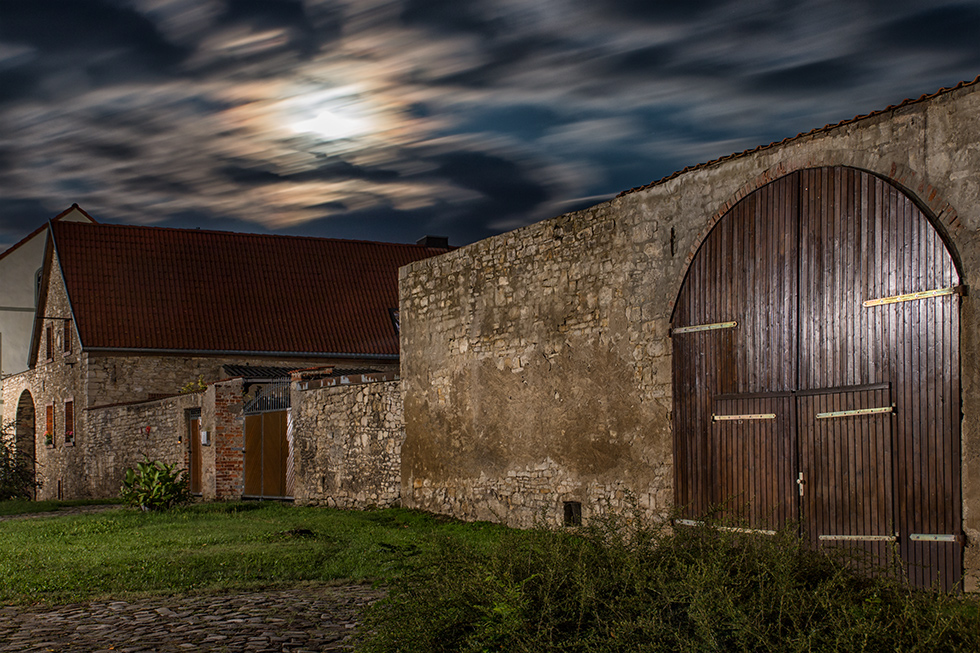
(270, 397)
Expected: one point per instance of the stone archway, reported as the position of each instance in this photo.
(25, 430)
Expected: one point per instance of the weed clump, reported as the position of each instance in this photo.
(155, 485)
(620, 586)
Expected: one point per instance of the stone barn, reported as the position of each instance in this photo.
(131, 316)
(782, 336)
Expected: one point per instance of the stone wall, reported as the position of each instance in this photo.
(536, 369)
(536, 365)
(120, 436)
(347, 445)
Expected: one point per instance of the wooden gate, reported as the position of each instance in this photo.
(827, 288)
(268, 450)
(195, 453)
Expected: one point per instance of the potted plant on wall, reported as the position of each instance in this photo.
(48, 439)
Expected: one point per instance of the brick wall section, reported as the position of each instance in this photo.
(121, 436)
(536, 365)
(224, 461)
(347, 445)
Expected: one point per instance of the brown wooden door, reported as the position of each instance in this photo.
(753, 463)
(196, 459)
(267, 455)
(789, 293)
(846, 445)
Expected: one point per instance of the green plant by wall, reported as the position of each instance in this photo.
(17, 479)
(155, 485)
(194, 386)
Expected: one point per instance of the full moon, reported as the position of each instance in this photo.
(334, 126)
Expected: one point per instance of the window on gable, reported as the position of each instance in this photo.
(69, 422)
(49, 425)
(66, 337)
(49, 342)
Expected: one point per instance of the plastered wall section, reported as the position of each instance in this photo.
(537, 364)
(54, 381)
(347, 445)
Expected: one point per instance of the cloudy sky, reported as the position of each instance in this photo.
(393, 119)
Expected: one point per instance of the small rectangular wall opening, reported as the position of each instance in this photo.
(573, 513)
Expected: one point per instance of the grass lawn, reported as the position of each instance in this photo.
(123, 552)
(617, 585)
(21, 507)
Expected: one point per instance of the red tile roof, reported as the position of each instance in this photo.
(790, 139)
(193, 290)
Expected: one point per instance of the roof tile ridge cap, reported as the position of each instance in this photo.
(248, 234)
(801, 135)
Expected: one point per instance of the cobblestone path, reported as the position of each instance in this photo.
(315, 618)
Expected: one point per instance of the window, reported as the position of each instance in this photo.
(69, 422)
(66, 340)
(49, 344)
(49, 425)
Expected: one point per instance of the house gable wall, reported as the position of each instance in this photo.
(537, 364)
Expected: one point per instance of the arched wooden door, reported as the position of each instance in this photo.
(816, 371)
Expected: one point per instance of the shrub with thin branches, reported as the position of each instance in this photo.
(620, 586)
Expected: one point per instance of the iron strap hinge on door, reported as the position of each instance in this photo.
(733, 418)
(912, 296)
(878, 410)
(703, 327)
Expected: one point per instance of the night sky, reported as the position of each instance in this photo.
(389, 120)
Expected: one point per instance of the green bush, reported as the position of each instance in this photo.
(17, 479)
(155, 485)
(618, 586)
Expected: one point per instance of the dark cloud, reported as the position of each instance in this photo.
(165, 186)
(92, 26)
(16, 85)
(305, 35)
(498, 61)
(21, 217)
(522, 121)
(660, 10)
(947, 28)
(461, 225)
(819, 76)
(453, 16)
(506, 187)
(332, 169)
(642, 62)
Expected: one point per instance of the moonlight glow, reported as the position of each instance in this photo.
(333, 125)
